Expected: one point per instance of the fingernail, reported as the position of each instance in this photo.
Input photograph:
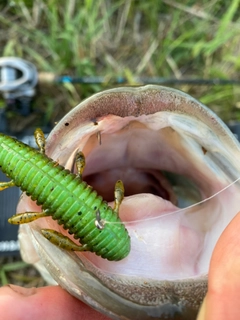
(23, 291)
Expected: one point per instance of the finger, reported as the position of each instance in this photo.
(43, 303)
(222, 300)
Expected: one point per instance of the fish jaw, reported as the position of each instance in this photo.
(132, 134)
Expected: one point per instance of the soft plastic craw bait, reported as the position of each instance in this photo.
(64, 196)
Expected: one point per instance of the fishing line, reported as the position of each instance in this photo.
(180, 210)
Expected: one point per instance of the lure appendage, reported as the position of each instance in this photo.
(66, 198)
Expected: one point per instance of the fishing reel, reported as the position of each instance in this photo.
(18, 79)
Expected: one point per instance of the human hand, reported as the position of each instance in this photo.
(222, 301)
(17, 303)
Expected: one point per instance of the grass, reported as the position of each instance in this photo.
(110, 38)
(125, 38)
(13, 270)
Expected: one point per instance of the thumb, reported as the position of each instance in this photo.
(223, 297)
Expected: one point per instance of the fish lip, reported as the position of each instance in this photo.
(137, 101)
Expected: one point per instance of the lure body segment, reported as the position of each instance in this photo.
(65, 197)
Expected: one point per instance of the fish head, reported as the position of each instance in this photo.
(179, 165)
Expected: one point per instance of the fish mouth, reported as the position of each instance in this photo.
(170, 152)
(173, 155)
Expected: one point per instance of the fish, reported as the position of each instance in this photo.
(179, 164)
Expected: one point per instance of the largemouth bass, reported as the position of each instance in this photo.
(178, 162)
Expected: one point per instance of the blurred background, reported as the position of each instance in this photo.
(80, 47)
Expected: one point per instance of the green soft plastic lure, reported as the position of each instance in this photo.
(64, 196)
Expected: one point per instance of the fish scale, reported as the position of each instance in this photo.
(65, 196)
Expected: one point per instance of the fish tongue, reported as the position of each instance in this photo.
(162, 247)
(144, 206)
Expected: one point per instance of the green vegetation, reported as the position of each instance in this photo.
(12, 270)
(182, 39)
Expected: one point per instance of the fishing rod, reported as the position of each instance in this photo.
(141, 80)
(18, 78)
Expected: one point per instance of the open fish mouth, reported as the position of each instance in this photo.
(173, 155)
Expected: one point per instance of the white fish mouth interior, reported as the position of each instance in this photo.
(137, 150)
